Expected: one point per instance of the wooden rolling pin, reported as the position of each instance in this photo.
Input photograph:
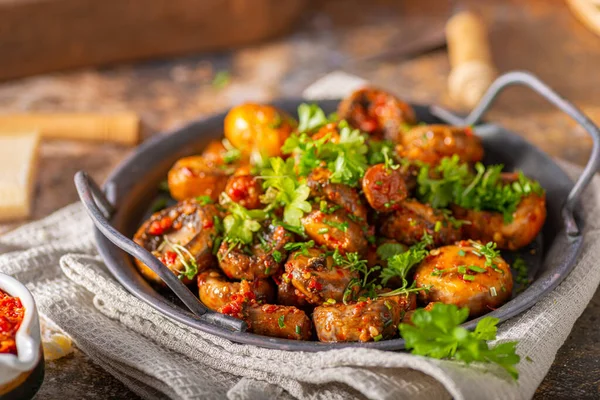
(121, 128)
(472, 68)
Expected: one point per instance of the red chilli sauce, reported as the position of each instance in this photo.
(11, 316)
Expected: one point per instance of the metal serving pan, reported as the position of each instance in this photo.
(130, 190)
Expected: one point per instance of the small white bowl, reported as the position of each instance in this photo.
(22, 375)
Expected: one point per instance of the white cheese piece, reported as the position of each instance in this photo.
(18, 166)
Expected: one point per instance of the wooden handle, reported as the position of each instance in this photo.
(119, 128)
(472, 68)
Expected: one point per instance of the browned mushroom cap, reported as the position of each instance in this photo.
(215, 290)
(377, 112)
(314, 274)
(490, 226)
(430, 143)
(458, 275)
(337, 193)
(259, 260)
(335, 230)
(193, 176)
(181, 236)
(270, 320)
(288, 295)
(363, 321)
(411, 219)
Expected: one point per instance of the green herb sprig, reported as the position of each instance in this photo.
(346, 159)
(187, 259)
(453, 182)
(240, 224)
(283, 188)
(438, 334)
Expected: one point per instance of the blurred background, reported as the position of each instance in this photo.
(167, 62)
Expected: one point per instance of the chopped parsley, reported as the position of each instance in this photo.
(301, 247)
(281, 322)
(342, 226)
(277, 256)
(453, 182)
(204, 200)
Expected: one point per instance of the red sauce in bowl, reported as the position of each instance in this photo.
(11, 316)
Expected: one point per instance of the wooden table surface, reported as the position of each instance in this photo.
(540, 36)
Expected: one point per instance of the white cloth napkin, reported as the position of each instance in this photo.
(157, 357)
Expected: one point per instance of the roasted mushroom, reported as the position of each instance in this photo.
(259, 260)
(363, 321)
(335, 230)
(490, 226)
(270, 319)
(215, 290)
(408, 223)
(288, 295)
(377, 112)
(337, 193)
(430, 143)
(181, 237)
(314, 274)
(462, 275)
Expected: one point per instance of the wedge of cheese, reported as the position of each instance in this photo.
(18, 167)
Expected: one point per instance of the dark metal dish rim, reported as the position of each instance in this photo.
(570, 236)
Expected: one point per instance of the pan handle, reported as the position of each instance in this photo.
(100, 209)
(531, 81)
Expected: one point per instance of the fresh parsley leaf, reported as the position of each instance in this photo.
(399, 265)
(388, 250)
(377, 149)
(241, 224)
(311, 117)
(350, 163)
(438, 334)
(346, 158)
(453, 182)
(284, 189)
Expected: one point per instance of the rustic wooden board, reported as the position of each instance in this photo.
(45, 35)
